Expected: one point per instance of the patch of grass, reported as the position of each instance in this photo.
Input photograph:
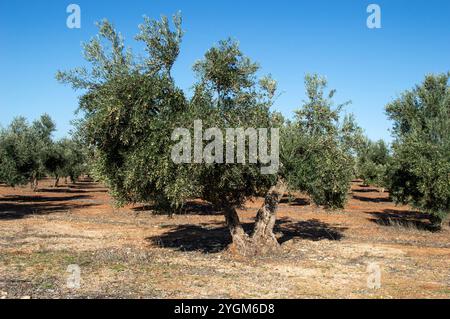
(119, 268)
(80, 259)
(46, 285)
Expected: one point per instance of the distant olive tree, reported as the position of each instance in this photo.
(373, 162)
(76, 161)
(319, 147)
(65, 159)
(420, 170)
(24, 149)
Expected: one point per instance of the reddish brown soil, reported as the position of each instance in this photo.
(131, 252)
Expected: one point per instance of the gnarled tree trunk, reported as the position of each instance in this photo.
(263, 239)
(240, 239)
(263, 235)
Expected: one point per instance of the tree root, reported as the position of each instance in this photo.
(250, 246)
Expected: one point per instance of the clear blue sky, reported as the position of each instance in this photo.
(288, 39)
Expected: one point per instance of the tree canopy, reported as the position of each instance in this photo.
(318, 146)
(420, 170)
(28, 153)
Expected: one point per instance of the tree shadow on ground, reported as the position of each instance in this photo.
(68, 190)
(214, 238)
(18, 207)
(403, 218)
(86, 186)
(199, 208)
(365, 190)
(295, 201)
(312, 229)
(372, 200)
(38, 199)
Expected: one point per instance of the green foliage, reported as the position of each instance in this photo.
(74, 159)
(317, 147)
(130, 124)
(162, 44)
(420, 170)
(373, 161)
(131, 109)
(53, 159)
(24, 149)
(229, 95)
(226, 71)
(28, 153)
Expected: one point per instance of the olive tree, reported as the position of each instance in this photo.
(65, 158)
(132, 107)
(230, 95)
(372, 163)
(54, 161)
(75, 157)
(24, 149)
(420, 170)
(319, 146)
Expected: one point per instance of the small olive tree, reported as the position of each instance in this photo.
(54, 161)
(372, 164)
(420, 171)
(318, 147)
(76, 159)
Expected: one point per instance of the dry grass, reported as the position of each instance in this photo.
(131, 253)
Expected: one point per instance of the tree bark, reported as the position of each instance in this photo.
(56, 182)
(34, 184)
(240, 240)
(263, 239)
(267, 215)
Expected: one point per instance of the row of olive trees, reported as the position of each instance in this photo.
(417, 169)
(132, 106)
(28, 153)
(419, 173)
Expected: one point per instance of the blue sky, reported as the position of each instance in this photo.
(287, 38)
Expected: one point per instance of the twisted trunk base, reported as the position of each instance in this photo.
(240, 240)
(263, 240)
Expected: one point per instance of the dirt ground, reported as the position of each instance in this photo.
(133, 253)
